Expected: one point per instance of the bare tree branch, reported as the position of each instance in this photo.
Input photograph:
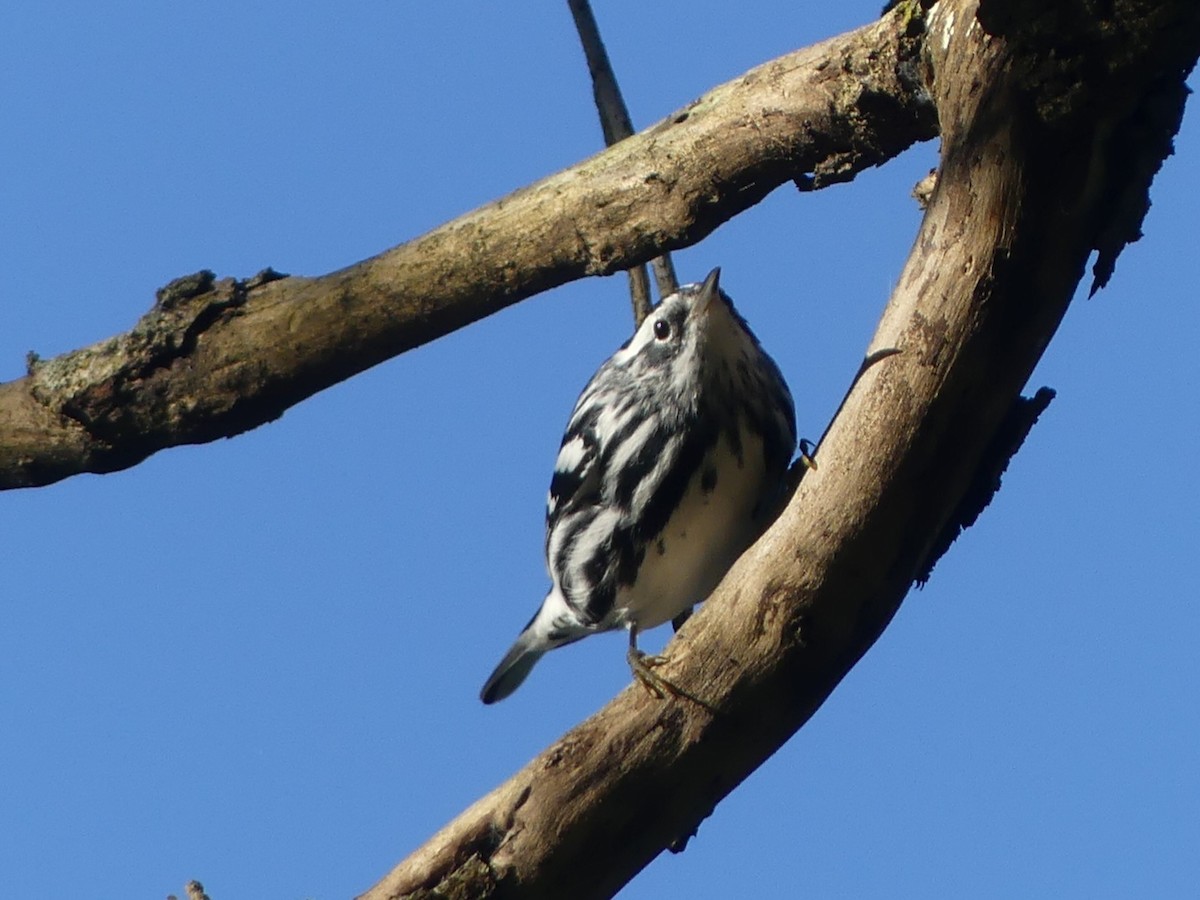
(1039, 167)
(614, 114)
(216, 358)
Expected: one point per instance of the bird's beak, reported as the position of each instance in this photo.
(710, 290)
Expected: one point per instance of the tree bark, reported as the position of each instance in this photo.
(1054, 119)
(215, 358)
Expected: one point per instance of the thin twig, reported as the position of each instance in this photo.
(664, 274)
(614, 114)
(616, 125)
(639, 293)
(868, 361)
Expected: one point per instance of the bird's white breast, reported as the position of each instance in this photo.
(706, 534)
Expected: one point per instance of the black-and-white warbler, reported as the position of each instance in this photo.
(671, 462)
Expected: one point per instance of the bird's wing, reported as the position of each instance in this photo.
(576, 480)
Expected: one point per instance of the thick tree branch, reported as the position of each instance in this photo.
(219, 357)
(1030, 169)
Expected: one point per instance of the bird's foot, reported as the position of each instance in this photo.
(643, 667)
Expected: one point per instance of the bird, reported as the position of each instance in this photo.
(671, 464)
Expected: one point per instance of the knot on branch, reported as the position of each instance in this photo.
(884, 87)
(176, 293)
(97, 386)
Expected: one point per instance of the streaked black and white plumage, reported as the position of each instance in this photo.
(672, 460)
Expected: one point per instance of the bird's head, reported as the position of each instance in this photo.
(686, 335)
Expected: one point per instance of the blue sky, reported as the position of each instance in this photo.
(256, 662)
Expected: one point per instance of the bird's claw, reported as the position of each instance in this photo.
(643, 667)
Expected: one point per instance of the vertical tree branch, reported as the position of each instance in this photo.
(616, 125)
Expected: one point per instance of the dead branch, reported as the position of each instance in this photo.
(1033, 177)
(215, 358)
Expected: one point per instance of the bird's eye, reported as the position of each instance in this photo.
(662, 329)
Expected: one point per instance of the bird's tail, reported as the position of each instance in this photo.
(554, 625)
(518, 662)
